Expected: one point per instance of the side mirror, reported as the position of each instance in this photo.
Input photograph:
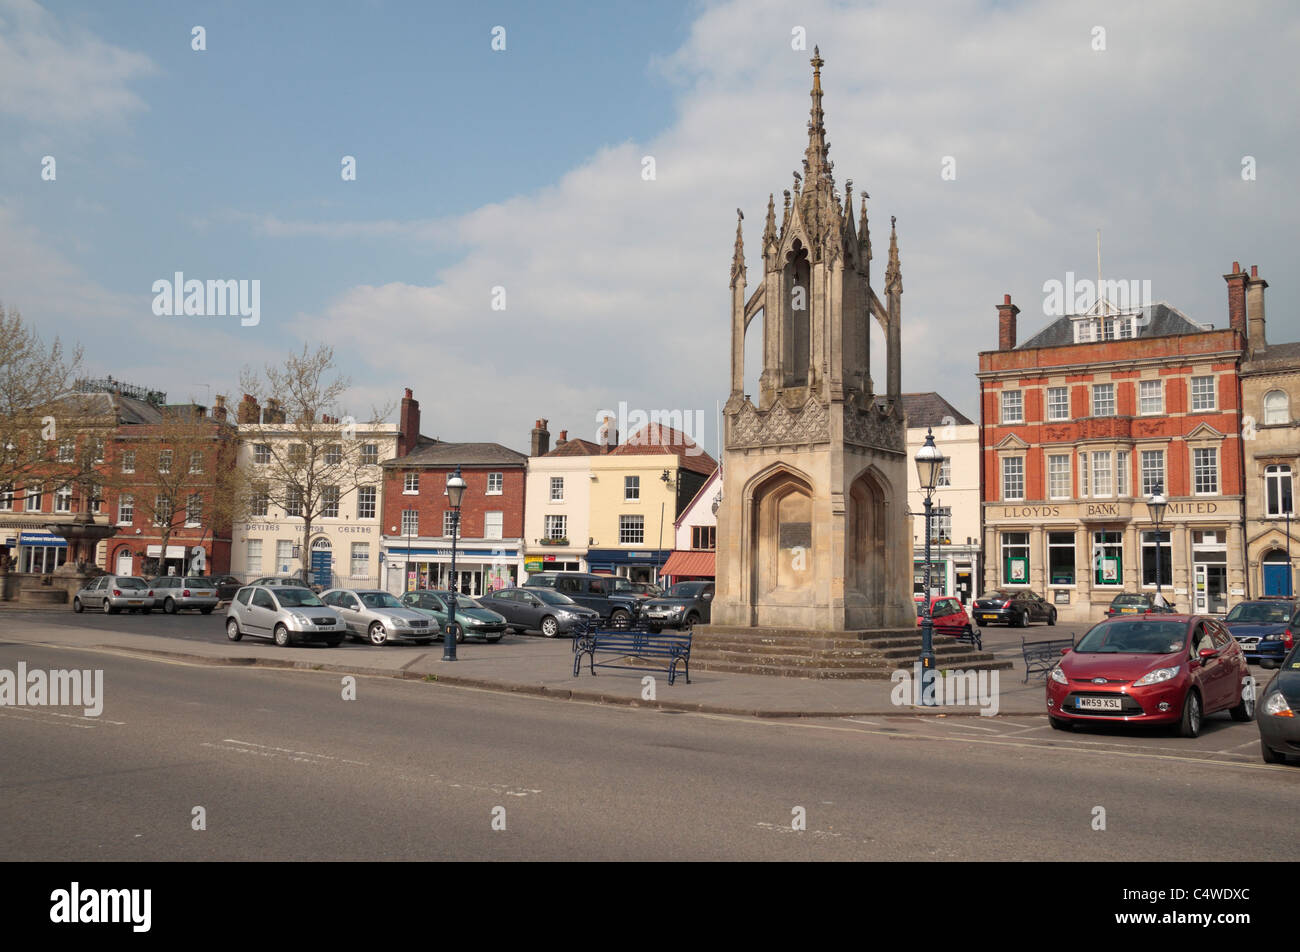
(707, 596)
(1205, 654)
(1066, 651)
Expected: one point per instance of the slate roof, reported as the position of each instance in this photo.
(1159, 320)
(930, 409)
(123, 409)
(430, 452)
(1276, 357)
(656, 439)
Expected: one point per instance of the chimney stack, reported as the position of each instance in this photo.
(408, 423)
(1237, 300)
(219, 408)
(1007, 323)
(1255, 286)
(564, 438)
(608, 435)
(541, 444)
(249, 411)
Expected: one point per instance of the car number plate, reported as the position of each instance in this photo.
(135, 601)
(1129, 611)
(1098, 703)
(988, 617)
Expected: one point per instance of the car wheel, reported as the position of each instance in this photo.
(692, 620)
(550, 627)
(77, 606)
(1060, 724)
(232, 630)
(1191, 722)
(169, 607)
(378, 637)
(618, 618)
(1021, 620)
(1270, 755)
(282, 636)
(111, 609)
(1051, 619)
(1244, 711)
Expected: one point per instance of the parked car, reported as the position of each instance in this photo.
(113, 593)
(227, 586)
(1140, 603)
(1151, 669)
(378, 616)
(949, 617)
(472, 619)
(1279, 712)
(283, 614)
(1264, 628)
(607, 595)
(290, 581)
(684, 605)
(1016, 607)
(174, 592)
(538, 609)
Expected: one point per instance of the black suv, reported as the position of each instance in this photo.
(610, 595)
(684, 605)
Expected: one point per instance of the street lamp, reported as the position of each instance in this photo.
(928, 463)
(1156, 505)
(455, 492)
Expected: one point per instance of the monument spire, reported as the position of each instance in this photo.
(769, 230)
(738, 256)
(893, 273)
(816, 165)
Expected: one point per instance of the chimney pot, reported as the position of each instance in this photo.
(1236, 267)
(1007, 323)
(1254, 271)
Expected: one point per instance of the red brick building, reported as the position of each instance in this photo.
(103, 459)
(416, 525)
(1086, 420)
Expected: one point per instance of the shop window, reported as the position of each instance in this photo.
(1015, 558)
(1108, 558)
(1060, 558)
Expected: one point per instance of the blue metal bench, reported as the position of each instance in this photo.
(634, 643)
(1042, 656)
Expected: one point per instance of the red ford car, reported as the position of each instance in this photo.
(1151, 669)
(949, 618)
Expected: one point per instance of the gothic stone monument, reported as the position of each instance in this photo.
(813, 530)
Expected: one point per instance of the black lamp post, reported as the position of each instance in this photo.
(1156, 505)
(455, 492)
(928, 463)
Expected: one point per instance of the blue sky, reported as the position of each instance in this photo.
(521, 169)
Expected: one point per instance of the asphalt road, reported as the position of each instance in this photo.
(285, 768)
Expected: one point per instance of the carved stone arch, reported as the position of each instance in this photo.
(868, 548)
(779, 541)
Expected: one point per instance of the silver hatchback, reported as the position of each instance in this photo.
(172, 593)
(283, 614)
(112, 593)
(378, 616)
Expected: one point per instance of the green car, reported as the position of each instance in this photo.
(472, 619)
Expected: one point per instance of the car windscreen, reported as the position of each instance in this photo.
(686, 589)
(198, 583)
(546, 581)
(379, 600)
(130, 583)
(551, 597)
(297, 598)
(1261, 613)
(1134, 637)
(996, 596)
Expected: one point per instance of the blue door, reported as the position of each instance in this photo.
(321, 567)
(1275, 578)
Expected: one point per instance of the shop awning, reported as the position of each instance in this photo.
(173, 551)
(693, 564)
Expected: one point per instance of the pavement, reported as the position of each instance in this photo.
(531, 665)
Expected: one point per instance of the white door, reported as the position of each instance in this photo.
(124, 561)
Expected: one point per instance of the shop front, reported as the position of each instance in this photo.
(479, 569)
(38, 553)
(636, 565)
(1079, 556)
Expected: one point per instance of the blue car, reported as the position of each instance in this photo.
(1264, 629)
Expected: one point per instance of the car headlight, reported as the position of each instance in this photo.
(1276, 705)
(300, 618)
(1273, 637)
(1156, 676)
(1058, 675)
(679, 608)
(396, 622)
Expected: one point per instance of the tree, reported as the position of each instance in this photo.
(39, 419)
(305, 451)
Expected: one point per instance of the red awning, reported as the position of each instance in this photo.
(693, 564)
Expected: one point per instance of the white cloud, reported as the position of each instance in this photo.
(52, 74)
